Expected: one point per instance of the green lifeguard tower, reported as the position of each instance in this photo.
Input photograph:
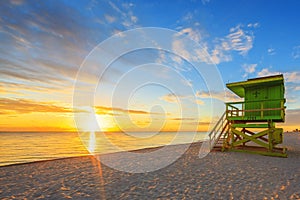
(249, 126)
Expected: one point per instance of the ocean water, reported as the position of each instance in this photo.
(26, 147)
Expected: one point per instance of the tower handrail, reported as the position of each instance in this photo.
(217, 131)
(238, 109)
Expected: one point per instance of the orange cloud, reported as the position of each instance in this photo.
(171, 98)
(11, 106)
(115, 111)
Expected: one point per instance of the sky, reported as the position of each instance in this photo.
(53, 52)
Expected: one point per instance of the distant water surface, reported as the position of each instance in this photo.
(23, 147)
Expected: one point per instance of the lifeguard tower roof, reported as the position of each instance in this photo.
(239, 87)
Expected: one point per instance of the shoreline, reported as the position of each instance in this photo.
(73, 145)
(135, 150)
(102, 154)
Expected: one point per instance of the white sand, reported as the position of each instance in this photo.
(227, 175)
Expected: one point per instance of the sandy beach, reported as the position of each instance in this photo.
(220, 175)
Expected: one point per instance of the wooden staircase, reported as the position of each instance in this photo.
(219, 134)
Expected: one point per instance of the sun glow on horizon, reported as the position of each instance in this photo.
(106, 123)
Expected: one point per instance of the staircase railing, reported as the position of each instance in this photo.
(214, 135)
(217, 131)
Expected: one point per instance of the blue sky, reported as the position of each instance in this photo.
(43, 44)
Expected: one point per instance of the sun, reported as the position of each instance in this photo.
(106, 123)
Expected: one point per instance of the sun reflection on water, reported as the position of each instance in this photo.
(92, 142)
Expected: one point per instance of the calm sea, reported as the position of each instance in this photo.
(30, 147)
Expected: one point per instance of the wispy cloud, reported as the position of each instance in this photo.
(188, 83)
(183, 119)
(127, 17)
(204, 2)
(45, 50)
(293, 77)
(266, 72)
(110, 18)
(238, 40)
(253, 25)
(102, 110)
(171, 98)
(222, 96)
(296, 52)
(292, 117)
(249, 69)
(21, 88)
(17, 2)
(194, 34)
(13, 106)
(220, 54)
(199, 102)
(271, 51)
(187, 50)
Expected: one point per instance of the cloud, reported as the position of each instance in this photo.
(227, 96)
(204, 2)
(200, 123)
(249, 69)
(253, 25)
(222, 96)
(194, 34)
(219, 54)
(296, 52)
(116, 8)
(171, 98)
(127, 18)
(266, 72)
(188, 83)
(39, 47)
(188, 17)
(186, 49)
(110, 18)
(125, 14)
(199, 102)
(102, 110)
(292, 77)
(23, 87)
(134, 19)
(271, 51)
(183, 119)
(292, 117)
(42, 49)
(238, 40)
(17, 2)
(179, 47)
(21, 106)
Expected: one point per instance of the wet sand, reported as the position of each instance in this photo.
(220, 175)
